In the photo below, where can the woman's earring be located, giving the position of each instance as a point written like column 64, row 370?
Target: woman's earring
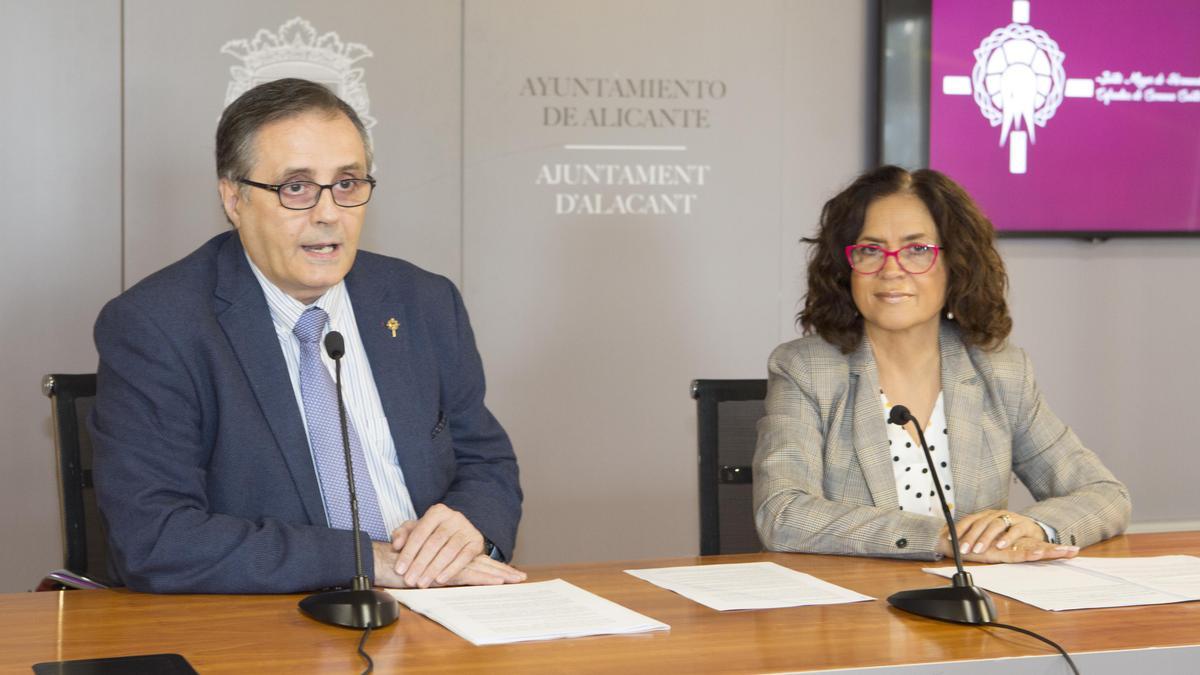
column 950, row 315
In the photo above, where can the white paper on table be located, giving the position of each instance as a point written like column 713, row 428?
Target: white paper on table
column 544, row 610
column 759, row 585
column 1088, row 583
column 1170, row 574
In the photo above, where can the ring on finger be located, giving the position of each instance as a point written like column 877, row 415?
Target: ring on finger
column 1008, row 523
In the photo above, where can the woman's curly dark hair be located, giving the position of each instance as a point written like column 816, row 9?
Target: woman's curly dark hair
column 976, row 284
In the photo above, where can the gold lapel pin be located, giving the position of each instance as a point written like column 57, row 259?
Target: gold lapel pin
column 392, row 324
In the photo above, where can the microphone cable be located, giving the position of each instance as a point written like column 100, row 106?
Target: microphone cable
column 371, row 664
column 1034, row 635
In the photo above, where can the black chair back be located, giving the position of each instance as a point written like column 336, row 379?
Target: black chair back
column 727, row 413
column 85, row 539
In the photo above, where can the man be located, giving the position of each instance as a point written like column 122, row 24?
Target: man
column 218, row 450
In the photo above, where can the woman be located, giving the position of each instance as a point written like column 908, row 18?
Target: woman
column 906, row 305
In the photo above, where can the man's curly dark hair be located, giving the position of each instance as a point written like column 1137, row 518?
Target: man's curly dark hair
column 977, row 282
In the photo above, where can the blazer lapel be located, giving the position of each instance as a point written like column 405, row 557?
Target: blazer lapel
column 962, row 394
column 870, row 432
column 379, row 310
column 248, row 327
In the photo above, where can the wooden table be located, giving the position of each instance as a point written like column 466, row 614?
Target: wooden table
column 268, row 634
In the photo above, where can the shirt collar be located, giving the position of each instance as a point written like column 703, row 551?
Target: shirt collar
column 286, row 310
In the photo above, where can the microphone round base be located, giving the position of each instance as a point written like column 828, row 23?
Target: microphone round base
column 352, row 609
column 960, row 604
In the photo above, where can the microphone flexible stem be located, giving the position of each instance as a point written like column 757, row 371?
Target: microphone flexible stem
column 937, row 484
column 359, row 577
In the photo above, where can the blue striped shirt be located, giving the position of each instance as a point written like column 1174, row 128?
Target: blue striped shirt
column 363, row 406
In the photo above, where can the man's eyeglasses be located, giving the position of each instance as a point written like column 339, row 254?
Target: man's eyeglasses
column 913, row 258
column 299, row 195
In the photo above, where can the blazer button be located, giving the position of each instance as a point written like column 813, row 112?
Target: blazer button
column 901, row 542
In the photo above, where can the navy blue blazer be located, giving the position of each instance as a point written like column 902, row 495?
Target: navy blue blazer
column 202, row 466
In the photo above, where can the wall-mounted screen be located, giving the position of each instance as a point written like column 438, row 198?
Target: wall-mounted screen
column 1062, row 117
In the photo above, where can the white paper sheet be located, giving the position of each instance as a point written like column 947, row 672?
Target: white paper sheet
column 761, row 585
column 544, row 610
column 1086, row 583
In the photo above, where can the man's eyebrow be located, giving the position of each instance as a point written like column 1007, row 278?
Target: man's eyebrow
column 307, row 173
column 293, row 172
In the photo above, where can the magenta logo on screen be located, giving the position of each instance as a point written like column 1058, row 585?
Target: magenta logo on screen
column 1070, row 115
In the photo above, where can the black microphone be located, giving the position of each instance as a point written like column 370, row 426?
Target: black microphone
column 361, row 606
column 335, row 346
column 963, row 602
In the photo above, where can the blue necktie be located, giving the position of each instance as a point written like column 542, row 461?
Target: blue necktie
column 325, row 435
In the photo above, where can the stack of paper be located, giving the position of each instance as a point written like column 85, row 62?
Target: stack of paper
column 546, row 610
column 760, row 585
column 1083, row 583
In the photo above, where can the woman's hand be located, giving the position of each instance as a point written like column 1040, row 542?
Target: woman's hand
column 1002, row 536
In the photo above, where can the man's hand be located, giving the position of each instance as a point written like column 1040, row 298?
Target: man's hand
column 480, row 571
column 1002, row 536
column 436, row 549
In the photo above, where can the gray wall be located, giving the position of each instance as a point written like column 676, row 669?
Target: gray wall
column 1112, row 329
column 591, row 327
column 60, row 142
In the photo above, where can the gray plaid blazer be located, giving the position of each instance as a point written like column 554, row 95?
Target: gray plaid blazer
column 823, row 479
